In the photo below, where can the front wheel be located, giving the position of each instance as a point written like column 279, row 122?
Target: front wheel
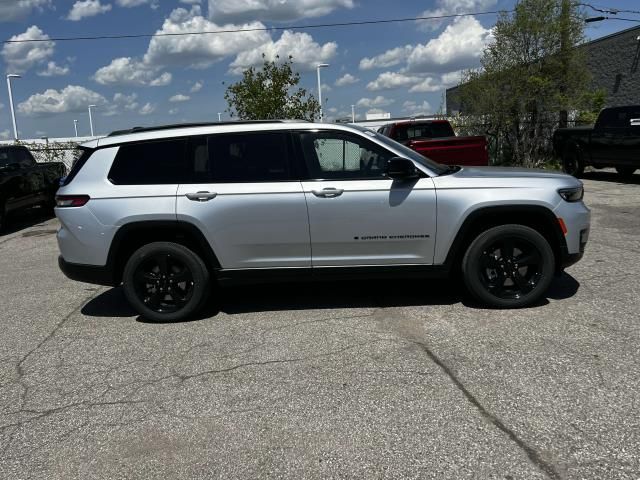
column 510, row 266
column 572, row 162
column 625, row 171
column 166, row 282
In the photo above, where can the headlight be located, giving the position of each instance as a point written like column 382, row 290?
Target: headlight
column 574, row 194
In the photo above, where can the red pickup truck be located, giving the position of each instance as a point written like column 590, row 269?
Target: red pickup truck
column 436, row 140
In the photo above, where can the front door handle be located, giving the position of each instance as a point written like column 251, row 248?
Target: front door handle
column 328, row 192
column 201, row 196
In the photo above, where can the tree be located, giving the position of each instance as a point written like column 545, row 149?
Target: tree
column 271, row 93
column 531, row 72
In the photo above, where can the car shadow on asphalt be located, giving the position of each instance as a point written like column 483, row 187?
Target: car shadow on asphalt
column 318, row 296
column 26, row 219
column 612, row 177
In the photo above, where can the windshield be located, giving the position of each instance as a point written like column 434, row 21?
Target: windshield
column 406, row 152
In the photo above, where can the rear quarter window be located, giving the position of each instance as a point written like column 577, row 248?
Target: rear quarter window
column 151, row 163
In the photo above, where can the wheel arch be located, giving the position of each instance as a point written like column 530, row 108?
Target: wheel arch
column 132, row 236
column 540, row 218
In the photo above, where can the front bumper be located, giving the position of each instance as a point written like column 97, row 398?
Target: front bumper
column 94, row 274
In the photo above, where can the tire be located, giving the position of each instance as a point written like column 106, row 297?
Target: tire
column 166, row 282
column 625, row 171
column 510, row 266
column 3, row 217
column 572, row 162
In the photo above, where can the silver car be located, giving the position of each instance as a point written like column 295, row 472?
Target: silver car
column 174, row 212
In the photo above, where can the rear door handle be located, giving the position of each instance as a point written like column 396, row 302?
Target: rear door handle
column 328, row 192
column 201, row 196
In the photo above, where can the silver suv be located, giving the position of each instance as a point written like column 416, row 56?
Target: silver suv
column 174, row 212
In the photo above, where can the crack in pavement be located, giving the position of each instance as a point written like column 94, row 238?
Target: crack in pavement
column 546, row 467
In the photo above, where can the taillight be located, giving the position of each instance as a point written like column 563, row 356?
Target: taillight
column 71, row 200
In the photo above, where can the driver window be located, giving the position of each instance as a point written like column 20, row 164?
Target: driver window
column 341, row 156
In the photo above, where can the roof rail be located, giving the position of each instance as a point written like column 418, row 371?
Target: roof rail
column 194, row 125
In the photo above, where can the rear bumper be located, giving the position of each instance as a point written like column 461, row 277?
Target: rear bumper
column 94, row 274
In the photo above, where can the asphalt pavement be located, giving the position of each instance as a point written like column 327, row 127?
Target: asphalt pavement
column 347, row 380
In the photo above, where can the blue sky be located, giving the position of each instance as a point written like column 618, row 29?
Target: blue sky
column 397, row 68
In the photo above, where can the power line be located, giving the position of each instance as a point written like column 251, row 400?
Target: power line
column 261, row 29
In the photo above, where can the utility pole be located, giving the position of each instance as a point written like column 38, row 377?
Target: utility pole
column 565, row 40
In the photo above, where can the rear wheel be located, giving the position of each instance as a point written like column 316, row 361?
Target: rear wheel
column 572, row 162
column 166, row 282
column 509, row 266
column 626, row 171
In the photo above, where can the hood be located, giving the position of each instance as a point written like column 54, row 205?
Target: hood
column 508, row 172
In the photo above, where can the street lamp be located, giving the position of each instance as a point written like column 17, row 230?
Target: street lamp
column 91, row 118
column 318, row 67
column 353, row 114
column 75, row 127
column 13, row 112
column 219, row 117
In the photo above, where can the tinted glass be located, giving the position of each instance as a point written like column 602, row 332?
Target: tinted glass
column 424, row 130
column 5, row 158
column 336, row 155
column 23, row 157
column 249, row 157
column 153, row 163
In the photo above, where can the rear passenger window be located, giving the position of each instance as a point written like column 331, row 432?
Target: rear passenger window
column 152, row 163
column 249, row 157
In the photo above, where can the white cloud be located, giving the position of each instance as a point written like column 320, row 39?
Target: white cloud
column 378, row 101
column 4, row 134
column 391, row 80
column 21, row 57
column 180, row 98
column 72, row 98
column 54, row 70
column 346, row 79
column 131, row 3
column 273, row 10
column 127, row 101
column 326, row 88
column 11, row 10
column 197, row 86
column 413, row 108
column 1, row 105
column 174, row 111
column 305, row 51
column 392, row 57
column 429, row 84
column 459, row 46
column 449, row 7
column 200, row 51
column 147, row 109
column 129, row 71
column 87, row 8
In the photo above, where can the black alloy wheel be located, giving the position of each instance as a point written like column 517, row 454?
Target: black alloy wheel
column 508, row 266
column 572, row 162
column 166, row 282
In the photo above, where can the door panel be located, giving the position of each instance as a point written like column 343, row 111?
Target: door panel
column 251, row 225
column 373, row 222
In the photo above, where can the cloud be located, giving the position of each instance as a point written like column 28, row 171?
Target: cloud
column 21, row 57
column 132, row 3
column 128, row 71
column 197, row 86
column 180, row 98
column 378, row 101
column 1, row 105
column 53, row 70
column 391, row 80
column 4, row 134
column 273, row 10
column 459, row 46
column 413, row 108
column 72, row 98
column 346, row 79
column 392, row 57
column 305, row 51
column 120, row 101
column 147, row 109
column 87, row 8
column 173, row 111
column 450, row 7
column 11, row 10
column 200, row 51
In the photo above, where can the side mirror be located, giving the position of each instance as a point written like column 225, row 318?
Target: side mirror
column 399, row 168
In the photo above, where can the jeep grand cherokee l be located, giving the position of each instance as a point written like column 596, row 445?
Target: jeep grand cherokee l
column 173, row 213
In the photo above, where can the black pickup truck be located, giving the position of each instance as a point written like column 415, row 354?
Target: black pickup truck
column 614, row 141
column 25, row 183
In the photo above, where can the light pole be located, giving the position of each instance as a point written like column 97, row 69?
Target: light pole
column 219, row 117
column 91, row 118
column 75, row 127
column 13, row 112
column 318, row 67
column 353, row 113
